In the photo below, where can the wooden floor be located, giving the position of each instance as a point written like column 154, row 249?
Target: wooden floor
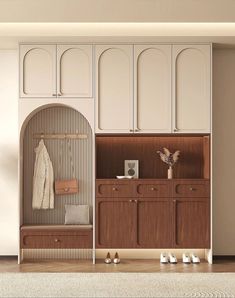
column 10, row 265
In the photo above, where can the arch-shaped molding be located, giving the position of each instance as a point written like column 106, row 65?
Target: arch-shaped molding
column 70, row 120
column 38, row 75
column 74, row 78
column 114, row 87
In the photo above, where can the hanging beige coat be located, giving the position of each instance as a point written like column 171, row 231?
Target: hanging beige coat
column 43, row 192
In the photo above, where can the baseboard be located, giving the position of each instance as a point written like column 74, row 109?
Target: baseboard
column 224, row 257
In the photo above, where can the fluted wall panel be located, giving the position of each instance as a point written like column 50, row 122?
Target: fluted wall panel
column 58, row 120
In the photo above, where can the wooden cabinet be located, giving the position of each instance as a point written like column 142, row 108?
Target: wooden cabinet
column 116, row 223
column 114, row 88
column 154, row 223
column 37, row 70
column 57, row 236
column 191, row 223
column 153, row 214
column 56, row 71
column 191, row 88
column 152, row 85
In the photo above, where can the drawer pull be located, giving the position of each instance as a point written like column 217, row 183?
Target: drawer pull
column 57, row 240
column 192, row 189
column 114, row 188
column 153, row 188
column 136, row 201
column 66, row 189
column 130, row 201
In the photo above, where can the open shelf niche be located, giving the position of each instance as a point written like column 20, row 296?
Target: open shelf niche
column 113, row 150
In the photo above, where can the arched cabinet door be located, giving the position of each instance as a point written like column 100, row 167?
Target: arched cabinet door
column 152, row 97
column 37, row 70
column 74, row 70
column 114, row 88
column 191, row 88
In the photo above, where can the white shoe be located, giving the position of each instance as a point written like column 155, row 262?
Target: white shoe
column 173, row 259
column 186, row 258
column 164, row 258
column 195, row 259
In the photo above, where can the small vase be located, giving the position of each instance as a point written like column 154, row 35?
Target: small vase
column 170, row 173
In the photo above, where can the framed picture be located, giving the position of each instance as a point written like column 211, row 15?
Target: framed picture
column 131, row 168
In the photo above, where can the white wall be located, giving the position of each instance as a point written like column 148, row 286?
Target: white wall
column 117, row 10
column 8, row 152
column 224, row 149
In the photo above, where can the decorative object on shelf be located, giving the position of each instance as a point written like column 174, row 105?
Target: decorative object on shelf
column 170, row 159
column 132, row 168
column 116, row 259
column 124, row 177
column 108, row 259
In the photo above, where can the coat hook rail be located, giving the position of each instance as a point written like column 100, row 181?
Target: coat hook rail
column 55, row 136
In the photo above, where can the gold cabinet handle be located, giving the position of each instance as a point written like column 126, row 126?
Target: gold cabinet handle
column 153, row 188
column 57, row 240
column 130, row 201
column 192, row 189
column 114, row 188
column 136, row 201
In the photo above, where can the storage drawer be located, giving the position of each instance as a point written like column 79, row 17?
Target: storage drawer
column 114, row 189
column 191, row 188
column 152, row 189
column 37, row 239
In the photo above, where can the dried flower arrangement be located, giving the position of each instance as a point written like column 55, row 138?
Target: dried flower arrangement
column 169, row 158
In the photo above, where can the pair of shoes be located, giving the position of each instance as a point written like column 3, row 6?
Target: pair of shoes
column 187, row 259
column 108, row 259
column 165, row 259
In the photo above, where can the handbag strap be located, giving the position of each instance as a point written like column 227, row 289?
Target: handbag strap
column 71, row 158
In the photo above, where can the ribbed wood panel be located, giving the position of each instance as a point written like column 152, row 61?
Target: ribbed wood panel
column 58, row 120
column 83, row 254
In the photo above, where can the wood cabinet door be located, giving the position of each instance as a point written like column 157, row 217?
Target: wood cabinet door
column 191, row 88
column 74, row 70
column 38, row 71
column 191, row 223
column 154, row 223
column 152, row 87
column 116, row 223
column 114, row 88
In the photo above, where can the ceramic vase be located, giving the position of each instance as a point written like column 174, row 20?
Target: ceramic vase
column 170, row 173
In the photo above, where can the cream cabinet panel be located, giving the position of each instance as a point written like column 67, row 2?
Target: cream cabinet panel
column 114, row 88
column 74, row 70
column 191, row 88
column 152, row 88
column 37, row 70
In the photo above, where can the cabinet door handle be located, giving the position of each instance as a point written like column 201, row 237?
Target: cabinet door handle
column 175, row 222
column 130, row 201
column 153, row 188
column 57, row 240
column 136, row 201
column 192, row 189
column 114, row 188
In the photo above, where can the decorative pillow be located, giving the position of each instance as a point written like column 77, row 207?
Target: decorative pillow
column 77, row 215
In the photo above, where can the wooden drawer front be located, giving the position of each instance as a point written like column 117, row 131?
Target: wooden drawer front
column 83, row 240
column 191, row 189
column 151, row 190
column 114, row 190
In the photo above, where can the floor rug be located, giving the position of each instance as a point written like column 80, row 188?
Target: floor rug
column 117, row 285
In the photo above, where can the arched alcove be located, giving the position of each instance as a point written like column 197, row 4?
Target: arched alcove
column 49, row 120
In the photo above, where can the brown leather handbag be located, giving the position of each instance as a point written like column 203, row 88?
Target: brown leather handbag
column 65, row 187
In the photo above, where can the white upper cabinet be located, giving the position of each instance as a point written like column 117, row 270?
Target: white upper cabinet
column 56, row 70
column 74, row 70
column 37, row 70
column 152, row 85
column 191, row 88
column 114, row 88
